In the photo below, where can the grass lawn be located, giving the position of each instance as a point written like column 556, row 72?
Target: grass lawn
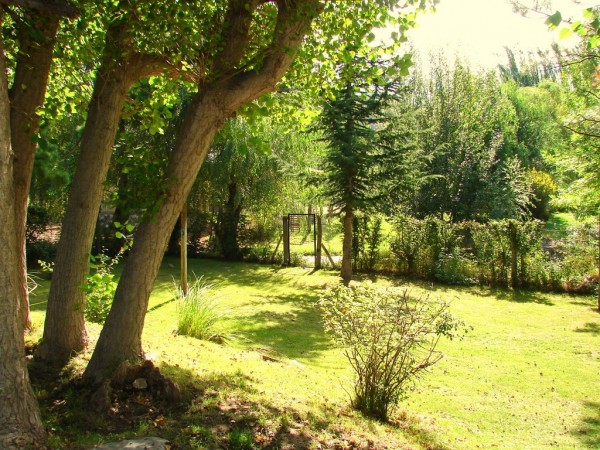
column 526, row 377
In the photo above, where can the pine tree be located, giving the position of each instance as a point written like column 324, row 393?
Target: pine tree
column 365, row 154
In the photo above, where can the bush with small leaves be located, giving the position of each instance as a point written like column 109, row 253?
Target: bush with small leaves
column 99, row 288
column 389, row 338
column 101, row 284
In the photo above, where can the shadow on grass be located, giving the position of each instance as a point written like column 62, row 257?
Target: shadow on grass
column 590, row 327
column 293, row 334
column 589, row 430
column 220, row 412
column 160, row 305
column 516, row 296
column 224, row 273
column 520, row 296
column 589, row 304
column 220, row 408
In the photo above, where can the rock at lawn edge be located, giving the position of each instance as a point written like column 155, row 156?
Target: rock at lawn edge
column 149, row 443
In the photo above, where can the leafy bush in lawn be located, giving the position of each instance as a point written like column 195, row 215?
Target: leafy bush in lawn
column 101, row 285
column 197, row 312
column 99, row 288
column 389, row 338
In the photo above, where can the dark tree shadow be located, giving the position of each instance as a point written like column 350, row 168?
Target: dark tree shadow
column 589, row 430
column 293, row 334
column 518, row 296
column 160, row 305
column 590, row 327
column 218, row 405
column 501, row 294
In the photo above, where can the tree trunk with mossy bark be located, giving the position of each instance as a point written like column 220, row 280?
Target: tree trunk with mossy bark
column 64, row 328
column 217, row 99
column 36, row 34
column 20, row 423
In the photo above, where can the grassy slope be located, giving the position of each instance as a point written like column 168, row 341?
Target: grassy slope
column 526, row 377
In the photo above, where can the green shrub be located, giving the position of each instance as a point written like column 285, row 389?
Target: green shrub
column 389, row 339
column 455, row 268
column 101, row 284
column 99, row 288
column 572, row 266
column 260, row 254
column 409, row 246
column 197, row 312
column 366, row 241
column 419, row 245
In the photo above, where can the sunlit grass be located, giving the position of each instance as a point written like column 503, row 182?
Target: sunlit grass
column 526, row 377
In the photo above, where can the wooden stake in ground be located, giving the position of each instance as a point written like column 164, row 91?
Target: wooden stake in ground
column 183, row 251
column 318, row 254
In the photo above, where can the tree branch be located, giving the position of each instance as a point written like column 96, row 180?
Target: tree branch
column 56, row 7
column 151, row 65
column 294, row 19
column 581, row 133
column 236, row 35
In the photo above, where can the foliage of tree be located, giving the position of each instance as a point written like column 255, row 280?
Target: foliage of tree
column 247, row 177
column 584, row 120
column 528, row 72
column 470, row 125
column 578, row 164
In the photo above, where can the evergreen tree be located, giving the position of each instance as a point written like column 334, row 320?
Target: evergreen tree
column 363, row 148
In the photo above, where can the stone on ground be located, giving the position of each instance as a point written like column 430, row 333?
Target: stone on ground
column 148, row 443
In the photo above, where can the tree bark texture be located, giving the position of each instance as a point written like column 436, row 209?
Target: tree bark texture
column 59, row 8
column 64, row 328
column 20, row 423
column 36, row 37
column 346, row 272
column 120, row 339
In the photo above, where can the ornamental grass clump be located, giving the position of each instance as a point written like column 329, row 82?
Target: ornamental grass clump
column 197, row 312
column 389, row 338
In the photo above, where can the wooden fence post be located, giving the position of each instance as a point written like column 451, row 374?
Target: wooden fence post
column 286, row 242
column 319, row 242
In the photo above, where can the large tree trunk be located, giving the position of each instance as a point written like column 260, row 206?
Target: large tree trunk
column 64, row 328
column 346, row 272
column 120, row 339
column 20, row 423
column 36, row 37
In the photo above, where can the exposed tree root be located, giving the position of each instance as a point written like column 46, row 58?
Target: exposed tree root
column 144, row 382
